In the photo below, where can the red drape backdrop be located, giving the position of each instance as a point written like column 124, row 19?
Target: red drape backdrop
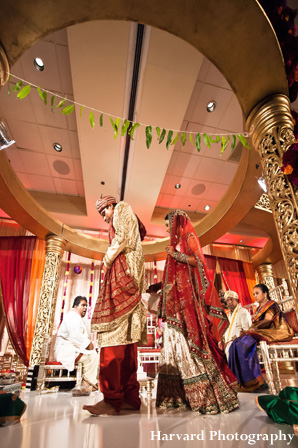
column 234, row 278
column 15, row 270
column 211, row 266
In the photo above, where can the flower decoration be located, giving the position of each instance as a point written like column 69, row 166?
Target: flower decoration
column 283, row 21
column 77, row 269
column 290, row 164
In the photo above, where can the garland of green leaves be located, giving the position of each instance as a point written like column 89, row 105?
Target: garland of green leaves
column 127, row 126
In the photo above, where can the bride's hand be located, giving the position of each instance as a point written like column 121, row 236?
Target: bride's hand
column 170, row 250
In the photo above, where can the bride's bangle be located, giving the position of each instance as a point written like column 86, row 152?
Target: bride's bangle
column 181, row 257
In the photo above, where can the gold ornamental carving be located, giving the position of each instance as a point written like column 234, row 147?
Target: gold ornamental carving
column 264, row 203
column 265, row 275
column 48, row 295
column 272, row 127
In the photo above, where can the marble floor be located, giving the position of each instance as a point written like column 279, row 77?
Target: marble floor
column 57, row 420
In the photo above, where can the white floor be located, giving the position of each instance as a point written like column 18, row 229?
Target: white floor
column 57, row 421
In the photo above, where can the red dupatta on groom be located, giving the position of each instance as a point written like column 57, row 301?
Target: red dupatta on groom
column 189, row 300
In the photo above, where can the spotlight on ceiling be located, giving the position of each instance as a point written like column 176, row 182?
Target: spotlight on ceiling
column 5, row 140
column 57, row 147
column 207, row 207
column 38, row 64
column 177, row 186
column 262, row 183
column 211, row 106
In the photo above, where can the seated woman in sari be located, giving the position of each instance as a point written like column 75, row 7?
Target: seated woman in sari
column 269, row 325
column 193, row 371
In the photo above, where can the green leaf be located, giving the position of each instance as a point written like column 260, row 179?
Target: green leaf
column 91, row 119
column 52, row 103
column 68, row 109
column 8, row 85
column 198, row 142
column 43, row 95
column 206, row 140
column 132, row 129
column 125, row 126
column 183, row 139
column 158, row 132
column 169, row 139
column 224, row 143
column 191, row 139
column 162, row 136
column 18, row 86
column 101, row 120
column 148, row 136
column 61, row 103
column 81, row 110
column 115, row 125
column 217, row 139
column 233, row 142
column 175, row 139
column 24, row 92
column 243, row 141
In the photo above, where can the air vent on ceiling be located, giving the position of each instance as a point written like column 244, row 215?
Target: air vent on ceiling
column 198, row 189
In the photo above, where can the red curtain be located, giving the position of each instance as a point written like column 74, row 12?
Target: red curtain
column 234, row 278
column 15, row 271
column 211, row 266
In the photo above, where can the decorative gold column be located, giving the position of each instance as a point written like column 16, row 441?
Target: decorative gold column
column 48, row 295
column 271, row 125
column 265, row 276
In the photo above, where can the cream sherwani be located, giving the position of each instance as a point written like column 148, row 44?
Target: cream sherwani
column 239, row 319
column 131, row 327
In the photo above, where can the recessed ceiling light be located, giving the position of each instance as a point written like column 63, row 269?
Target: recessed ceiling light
column 241, row 241
column 207, row 207
column 57, row 147
column 38, row 64
column 177, row 186
column 211, row 106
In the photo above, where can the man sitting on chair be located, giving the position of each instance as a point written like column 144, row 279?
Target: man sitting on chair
column 239, row 319
column 73, row 344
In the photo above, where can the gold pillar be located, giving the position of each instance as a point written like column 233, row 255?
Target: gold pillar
column 265, row 276
column 48, row 295
column 272, row 126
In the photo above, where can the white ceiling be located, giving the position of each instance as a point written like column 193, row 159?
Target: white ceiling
column 92, row 64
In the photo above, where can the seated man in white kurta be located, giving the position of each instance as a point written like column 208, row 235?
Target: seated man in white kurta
column 73, row 344
column 239, row 319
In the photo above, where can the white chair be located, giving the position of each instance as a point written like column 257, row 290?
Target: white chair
column 54, row 371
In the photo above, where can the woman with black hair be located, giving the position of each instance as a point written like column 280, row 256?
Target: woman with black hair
column 269, row 325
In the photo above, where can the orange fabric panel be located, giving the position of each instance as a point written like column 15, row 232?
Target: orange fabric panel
column 250, row 278
column 37, row 268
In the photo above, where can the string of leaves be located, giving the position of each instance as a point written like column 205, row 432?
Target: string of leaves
column 130, row 127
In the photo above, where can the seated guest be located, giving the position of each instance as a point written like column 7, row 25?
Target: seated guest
column 269, row 325
column 73, row 344
column 239, row 319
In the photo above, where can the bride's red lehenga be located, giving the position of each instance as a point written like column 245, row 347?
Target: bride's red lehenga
column 193, row 370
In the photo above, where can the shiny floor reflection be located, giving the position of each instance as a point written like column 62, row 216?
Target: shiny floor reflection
column 58, row 421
